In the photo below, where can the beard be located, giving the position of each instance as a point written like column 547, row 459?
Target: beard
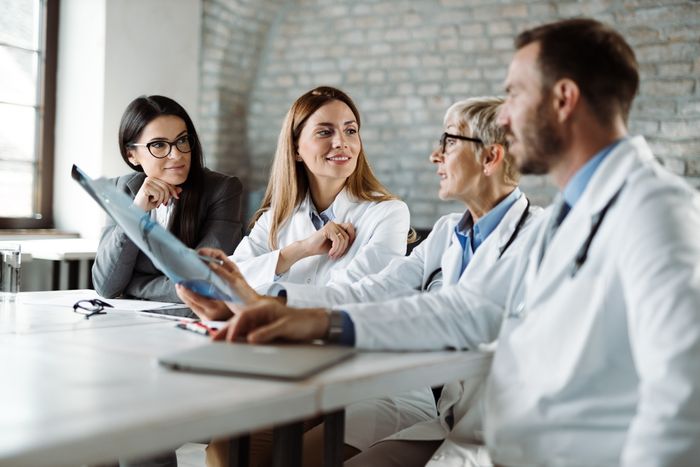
column 541, row 140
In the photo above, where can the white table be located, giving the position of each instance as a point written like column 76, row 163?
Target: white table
column 80, row 391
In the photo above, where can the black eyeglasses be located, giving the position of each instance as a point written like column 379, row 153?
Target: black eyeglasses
column 92, row 307
column 161, row 149
column 447, row 136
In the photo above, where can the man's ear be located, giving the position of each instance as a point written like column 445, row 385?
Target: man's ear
column 491, row 157
column 565, row 98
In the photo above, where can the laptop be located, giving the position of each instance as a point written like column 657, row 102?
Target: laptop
column 279, row 361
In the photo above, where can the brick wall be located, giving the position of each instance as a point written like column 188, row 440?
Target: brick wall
column 405, row 62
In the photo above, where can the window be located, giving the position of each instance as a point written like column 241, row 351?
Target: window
column 28, row 49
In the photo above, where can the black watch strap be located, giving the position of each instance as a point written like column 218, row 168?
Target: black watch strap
column 335, row 326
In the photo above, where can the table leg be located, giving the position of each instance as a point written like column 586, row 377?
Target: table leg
column 286, row 445
column 333, row 438
column 73, row 274
column 239, row 451
column 56, row 276
column 90, row 263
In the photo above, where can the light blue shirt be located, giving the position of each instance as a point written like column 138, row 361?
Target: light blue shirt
column 471, row 236
column 319, row 220
column 578, row 183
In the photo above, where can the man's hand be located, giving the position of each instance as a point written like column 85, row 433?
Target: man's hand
column 268, row 319
column 231, row 274
column 155, row 192
column 205, row 308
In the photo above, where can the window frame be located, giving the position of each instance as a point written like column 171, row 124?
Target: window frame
column 44, row 141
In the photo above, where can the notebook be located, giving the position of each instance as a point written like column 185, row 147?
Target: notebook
column 280, row 361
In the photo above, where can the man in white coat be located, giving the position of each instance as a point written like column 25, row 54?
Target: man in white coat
column 598, row 360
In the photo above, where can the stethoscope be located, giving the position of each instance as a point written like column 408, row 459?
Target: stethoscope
column 596, row 220
column 433, row 278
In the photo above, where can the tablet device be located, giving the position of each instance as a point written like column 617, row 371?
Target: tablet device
column 175, row 313
column 279, row 361
column 180, row 263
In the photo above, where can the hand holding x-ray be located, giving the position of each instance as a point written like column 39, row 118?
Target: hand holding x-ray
column 180, row 263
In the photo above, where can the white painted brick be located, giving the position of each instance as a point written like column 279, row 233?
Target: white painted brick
column 680, row 129
column 405, row 62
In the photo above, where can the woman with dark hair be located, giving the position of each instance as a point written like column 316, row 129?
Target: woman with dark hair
column 157, row 139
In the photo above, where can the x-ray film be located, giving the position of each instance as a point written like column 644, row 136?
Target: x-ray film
column 180, row 263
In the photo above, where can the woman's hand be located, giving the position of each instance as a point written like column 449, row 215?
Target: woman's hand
column 229, row 272
column 155, row 192
column 333, row 239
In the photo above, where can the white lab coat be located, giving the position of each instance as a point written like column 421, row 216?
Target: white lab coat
column 410, row 275
column 381, row 232
column 614, row 377
column 407, row 276
column 381, row 229
column 599, row 369
column 460, row 400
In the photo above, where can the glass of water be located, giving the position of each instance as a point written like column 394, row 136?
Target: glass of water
column 10, row 263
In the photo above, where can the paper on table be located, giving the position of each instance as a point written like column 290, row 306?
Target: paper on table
column 69, row 297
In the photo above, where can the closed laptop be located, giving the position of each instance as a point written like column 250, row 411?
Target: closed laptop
column 283, row 361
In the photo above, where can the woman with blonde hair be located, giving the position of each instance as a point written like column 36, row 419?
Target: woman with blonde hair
column 325, row 219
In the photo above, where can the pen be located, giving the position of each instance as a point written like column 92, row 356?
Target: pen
column 209, row 259
column 195, row 326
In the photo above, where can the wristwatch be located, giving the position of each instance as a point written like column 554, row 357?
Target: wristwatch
column 335, row 326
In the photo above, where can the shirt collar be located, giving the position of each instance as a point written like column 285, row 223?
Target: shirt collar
column 322, row 218
column 578, row 183
column 488, row 223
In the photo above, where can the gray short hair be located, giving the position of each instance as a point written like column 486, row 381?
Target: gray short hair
column 479, row 115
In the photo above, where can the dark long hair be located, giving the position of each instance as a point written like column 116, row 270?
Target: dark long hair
column 142, row 111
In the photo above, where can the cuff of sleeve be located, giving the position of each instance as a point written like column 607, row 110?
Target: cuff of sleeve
column 276, row 290
column 342, row 329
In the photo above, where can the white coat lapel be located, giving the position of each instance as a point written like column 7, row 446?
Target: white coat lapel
column 452, row 261
column 342, row 205
column 302, row 219
column 506, row 229
column 573, row 232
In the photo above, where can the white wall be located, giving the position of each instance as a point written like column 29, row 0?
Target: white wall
column 109, row 53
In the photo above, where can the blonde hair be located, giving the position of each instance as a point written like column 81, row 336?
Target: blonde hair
column 479, row 115
column 289, row 182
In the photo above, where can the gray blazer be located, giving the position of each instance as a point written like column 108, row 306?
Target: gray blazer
column 122, row 269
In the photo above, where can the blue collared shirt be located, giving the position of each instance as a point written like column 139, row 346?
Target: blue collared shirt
column 471, row 236
column 481, row 230
column 321, row 219
column 578, row 183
